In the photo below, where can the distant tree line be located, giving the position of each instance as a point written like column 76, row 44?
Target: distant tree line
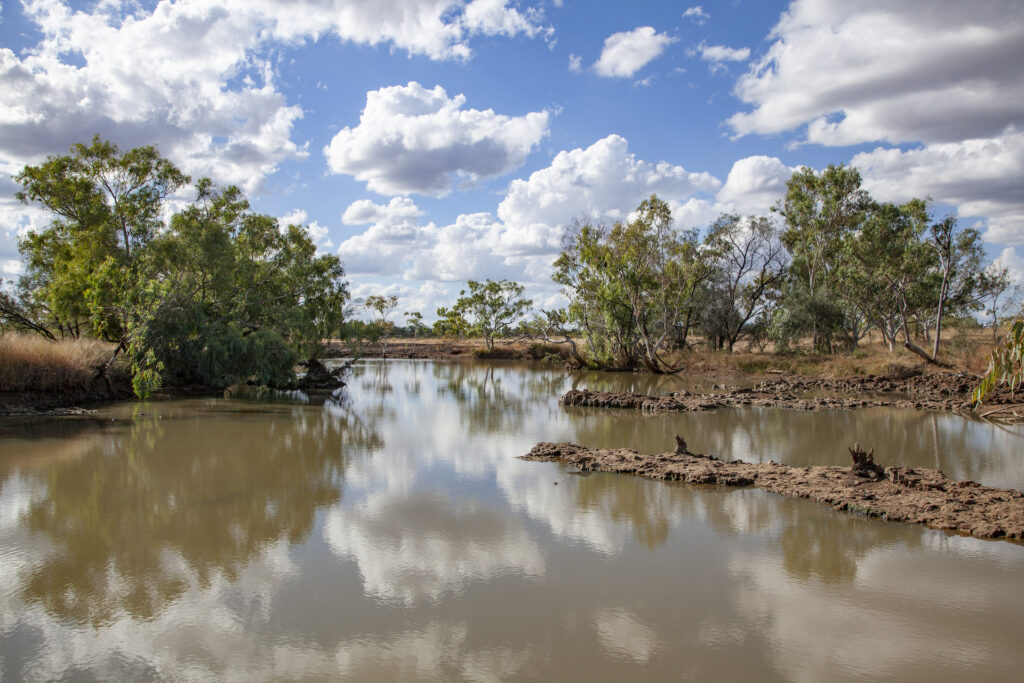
column 827, row 266
column 214, row 293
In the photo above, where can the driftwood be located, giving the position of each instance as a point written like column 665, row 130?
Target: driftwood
column 864, row 463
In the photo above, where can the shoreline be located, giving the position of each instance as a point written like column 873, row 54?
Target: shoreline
column 944, row 391
column 898, row 494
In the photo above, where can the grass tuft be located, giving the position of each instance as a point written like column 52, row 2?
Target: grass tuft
column 31, row 363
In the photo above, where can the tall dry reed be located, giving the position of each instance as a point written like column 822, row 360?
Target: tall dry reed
column 31, row 363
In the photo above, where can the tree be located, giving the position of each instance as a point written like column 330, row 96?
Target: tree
column 884, row 269
column 632, row 287
column 820, row 209
column 993, row 282
column 451, row 322
column 959, row 252
column 381, row 307
column 414, row 319
column 751, row 266
column 554, row 327
column 218, row 295
column 491, row 308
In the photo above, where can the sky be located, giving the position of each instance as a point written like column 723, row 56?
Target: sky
column 429, row 142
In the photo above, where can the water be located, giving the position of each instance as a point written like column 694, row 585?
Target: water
column 395, row 536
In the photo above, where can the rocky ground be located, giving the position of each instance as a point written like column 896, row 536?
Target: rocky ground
column 899, row 494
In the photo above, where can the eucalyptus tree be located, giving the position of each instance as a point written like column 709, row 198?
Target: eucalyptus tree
column 414, row 321
column 381, row 306
column 217, row 295
column 106, row 207
column 993, row 283
column 820, row 209
column 491, row 308
column 884, row 268
column 751, row 266
column 959, row 253
column 631, row 287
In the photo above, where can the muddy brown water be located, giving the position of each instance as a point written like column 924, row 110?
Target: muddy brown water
column 393, row 535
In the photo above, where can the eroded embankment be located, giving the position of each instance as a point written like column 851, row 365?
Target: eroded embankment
column 684, row 401
column 899, row 494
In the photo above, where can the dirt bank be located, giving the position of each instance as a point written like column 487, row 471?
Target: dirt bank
column 687, row 402
column 29, row 403
column 899, row 494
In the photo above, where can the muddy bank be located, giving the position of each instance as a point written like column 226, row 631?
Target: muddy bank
column 29, row 403
column 936, row 385
column 687, row 402
column 449, row 349
column 899, row 494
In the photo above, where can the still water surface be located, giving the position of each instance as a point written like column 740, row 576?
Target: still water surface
column 394, row 536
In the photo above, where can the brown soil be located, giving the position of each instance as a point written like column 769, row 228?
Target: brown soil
column 446, row 349
column 29, row 403
column 433, row 349
column 899, row 494
column 686, row 402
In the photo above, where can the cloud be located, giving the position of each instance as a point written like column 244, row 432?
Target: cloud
column 697, row 15
column 754, row 185
column 627, row 52
column 411, row 563
column 410, row 139
column 197, row 77
column 721, row 53
column 1014, row 264
column 393, row 236
column 575, row 63
column 915, row 71
column 604, row 181
column 981, row 177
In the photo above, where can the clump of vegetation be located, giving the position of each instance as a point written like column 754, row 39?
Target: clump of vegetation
column 32, row 363
column 216, row 295
column 489, row 309
column 1006, row 364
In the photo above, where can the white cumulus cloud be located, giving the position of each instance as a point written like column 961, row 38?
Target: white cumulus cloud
column 981, row 177
column 918, row 70
column 940, row 78
column 411, row 139
column 754, row 185
column 627, row 52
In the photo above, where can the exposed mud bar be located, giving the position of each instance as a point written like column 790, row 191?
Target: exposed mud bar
column 686, row 402
column 898, row 494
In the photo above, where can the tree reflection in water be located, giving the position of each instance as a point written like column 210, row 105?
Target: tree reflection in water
column 208, row 490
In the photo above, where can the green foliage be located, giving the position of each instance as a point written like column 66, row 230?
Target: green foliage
column 490, row 309
column 634, row 289
column 217, row 296
column 821, row 210
column 1006, row 364
column 414, row 322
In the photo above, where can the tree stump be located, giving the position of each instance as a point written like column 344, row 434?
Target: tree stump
column 864, row 463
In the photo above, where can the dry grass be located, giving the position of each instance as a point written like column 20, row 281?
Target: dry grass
column 31, row 363
column 962, row 350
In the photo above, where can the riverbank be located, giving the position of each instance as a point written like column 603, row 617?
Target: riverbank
column 898, row 494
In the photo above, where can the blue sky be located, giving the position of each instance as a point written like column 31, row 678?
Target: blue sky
column 431, row 141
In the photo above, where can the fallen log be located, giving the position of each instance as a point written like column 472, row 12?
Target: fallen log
column 898, row 494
